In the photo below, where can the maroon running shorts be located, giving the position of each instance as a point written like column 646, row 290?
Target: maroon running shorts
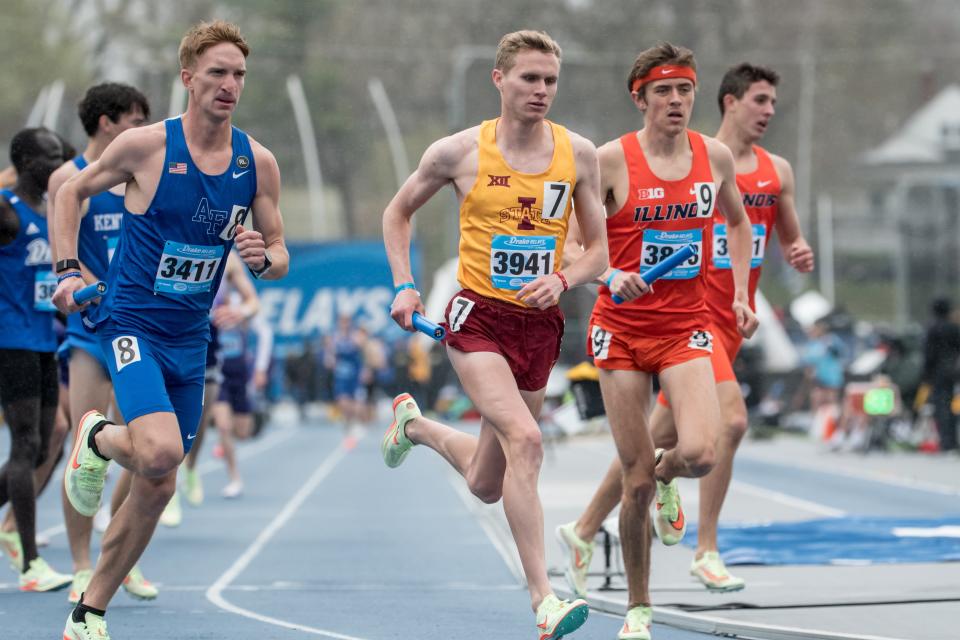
column 529, row 339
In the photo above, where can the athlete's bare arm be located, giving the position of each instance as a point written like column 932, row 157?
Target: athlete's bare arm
column 226, row 316
column 591, row 260
column 792, row 243
column 614, row 185
column 66, row 171
column 446, row 161
column 130, row 159
column 738, row 231
column 251, row 244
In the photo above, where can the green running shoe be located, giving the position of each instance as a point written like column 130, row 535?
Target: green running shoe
column 138, row 587
column 579, row 553
column 669, row 522
column 556, row 618
column 711, row 571
column 396, row 445
column 93, row 627
column 172, row 514
column 85, row 471
column 10, row 543
column 81, row 580
column 636, row 626
column 40, row 577
column 192, row 487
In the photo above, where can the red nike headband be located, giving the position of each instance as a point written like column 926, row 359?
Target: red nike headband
column 666, row 72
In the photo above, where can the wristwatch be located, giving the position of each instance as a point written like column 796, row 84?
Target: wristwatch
column 267, row 263
column 65, row 265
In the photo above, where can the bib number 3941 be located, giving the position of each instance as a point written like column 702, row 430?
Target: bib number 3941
column 187, row 268
column 517, row 260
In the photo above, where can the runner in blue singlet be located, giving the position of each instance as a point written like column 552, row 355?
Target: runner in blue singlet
column 28, row 367
column 105, row 111
column 190, row 183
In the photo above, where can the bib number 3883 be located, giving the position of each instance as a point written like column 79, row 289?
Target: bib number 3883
column 658, row 245
column 187, row 268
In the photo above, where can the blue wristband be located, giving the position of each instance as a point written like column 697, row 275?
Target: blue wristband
column 612, row 276
column 72, row 274
column 405, row 285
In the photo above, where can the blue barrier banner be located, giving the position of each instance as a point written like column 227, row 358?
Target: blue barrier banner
column 841, row 541
column 327, row 280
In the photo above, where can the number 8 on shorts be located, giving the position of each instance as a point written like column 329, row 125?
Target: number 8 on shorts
column 126, row 350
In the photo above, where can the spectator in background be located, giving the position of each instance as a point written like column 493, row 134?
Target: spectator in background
column 904, row 367
column 941, row 354
column 344, row 360
column 373, row 375
column 824, row 358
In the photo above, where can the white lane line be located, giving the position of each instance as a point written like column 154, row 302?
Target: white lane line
column 253, row 449
column 52, row 532
column 866, row 474
column 785, row 499
column 488, row 522
column 215, row 592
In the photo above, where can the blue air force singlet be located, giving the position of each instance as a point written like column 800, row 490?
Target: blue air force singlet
column 98, row 239
column 27, row 283
column 170, row 259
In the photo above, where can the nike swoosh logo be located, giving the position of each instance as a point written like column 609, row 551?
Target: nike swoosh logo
column 237, row 175
column 666, row 71
column 191, row 437
column 678, row 523
column 763, row 183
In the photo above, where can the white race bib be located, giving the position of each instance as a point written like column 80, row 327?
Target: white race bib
column 721, row 252
column 44, row 286
column 187, row 268
column 517, row 260
column 658, row 245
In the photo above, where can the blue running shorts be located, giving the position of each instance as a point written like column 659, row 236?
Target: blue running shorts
column 151, row 375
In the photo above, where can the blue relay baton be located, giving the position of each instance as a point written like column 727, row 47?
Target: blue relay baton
column 90, row 292
column 431, row 329
column 664, row 267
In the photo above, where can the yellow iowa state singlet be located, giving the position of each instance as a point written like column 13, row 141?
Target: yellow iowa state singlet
column 512, row 224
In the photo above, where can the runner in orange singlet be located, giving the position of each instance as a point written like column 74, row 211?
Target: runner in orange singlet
column 517, row 179
column 747, row 97
column 661, row 187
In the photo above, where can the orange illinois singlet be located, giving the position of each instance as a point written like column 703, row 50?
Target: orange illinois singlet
column 658, row 218
column 760, row 190
column 512, row 224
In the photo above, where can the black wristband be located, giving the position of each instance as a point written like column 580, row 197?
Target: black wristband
column 69, row 263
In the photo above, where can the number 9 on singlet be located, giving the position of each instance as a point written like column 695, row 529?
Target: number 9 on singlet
column 187, row 268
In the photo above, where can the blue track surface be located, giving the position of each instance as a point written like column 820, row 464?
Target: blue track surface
column 324, row 543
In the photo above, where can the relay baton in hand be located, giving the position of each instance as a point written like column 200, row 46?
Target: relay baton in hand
column 663, row 267
column 431, row 329
column 90, row 292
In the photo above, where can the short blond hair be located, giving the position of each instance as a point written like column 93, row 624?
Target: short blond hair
column 663, row 53
column 525, row 40
column 204, row 35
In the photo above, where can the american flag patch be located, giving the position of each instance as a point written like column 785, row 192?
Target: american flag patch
column 177, row 167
